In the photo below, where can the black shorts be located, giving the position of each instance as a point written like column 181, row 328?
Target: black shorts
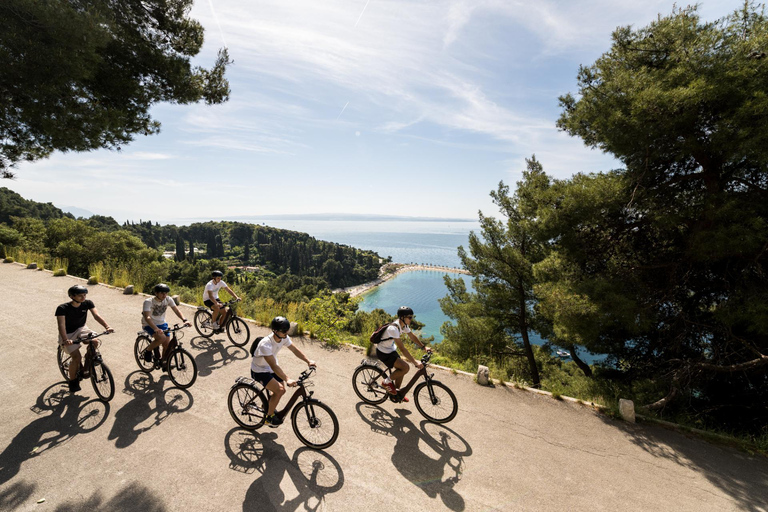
column 265, row 377
column 387, row 359
column 209, row 303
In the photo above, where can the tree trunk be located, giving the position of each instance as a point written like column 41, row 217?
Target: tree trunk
column 584, row 367
column 527, row 342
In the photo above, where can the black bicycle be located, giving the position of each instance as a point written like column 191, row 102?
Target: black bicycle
column 237, row 328
column 434, row 400
column 93, row 367
column 180, row 365
column 314, row 423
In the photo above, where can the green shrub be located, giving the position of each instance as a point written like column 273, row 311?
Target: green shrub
column 60, row 272
column 93, row 280
column 8, row 260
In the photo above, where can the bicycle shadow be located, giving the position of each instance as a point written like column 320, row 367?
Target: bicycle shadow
column 137, row 415
column 214, row 354
column 313, row 473
column 70, row 415
column 422, row 455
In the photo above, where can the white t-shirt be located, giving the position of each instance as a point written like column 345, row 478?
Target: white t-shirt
column 157, row 309
column 393, row 331
column 267, row 347
column 214, row 287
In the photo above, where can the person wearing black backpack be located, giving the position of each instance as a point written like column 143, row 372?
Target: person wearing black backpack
column 386, row 349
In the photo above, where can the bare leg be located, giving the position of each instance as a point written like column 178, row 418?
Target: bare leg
column 401, row 368
column 278, row 390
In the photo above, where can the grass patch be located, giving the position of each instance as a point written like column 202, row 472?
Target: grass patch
column 59, row 272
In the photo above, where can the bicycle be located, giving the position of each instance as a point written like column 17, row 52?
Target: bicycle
column 179, row 363
column 93, row 367
column 314, row 423
column 434, row 400
column 237, row 329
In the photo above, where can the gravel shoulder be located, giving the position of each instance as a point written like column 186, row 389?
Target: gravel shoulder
column 157, row 448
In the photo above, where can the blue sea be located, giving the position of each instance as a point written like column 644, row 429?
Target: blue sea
column 406, row 242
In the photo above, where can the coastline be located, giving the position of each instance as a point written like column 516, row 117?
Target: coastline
column 386, row 273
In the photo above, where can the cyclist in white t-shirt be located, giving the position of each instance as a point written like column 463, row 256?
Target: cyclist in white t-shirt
column 386, row 349
column 211, row 299
column 266, row 370
column 153, row 319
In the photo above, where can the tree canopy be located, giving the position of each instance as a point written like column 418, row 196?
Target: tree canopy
column 79, row 75
column 666, row 257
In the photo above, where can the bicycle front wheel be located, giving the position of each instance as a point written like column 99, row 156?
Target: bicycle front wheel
column 247, row 406
column 103, row 383
column 238, row 332
column 182, row 368
column 64, row 360
column 203, row 323
column 315, row 424
column 435, row 401
column 366, row 381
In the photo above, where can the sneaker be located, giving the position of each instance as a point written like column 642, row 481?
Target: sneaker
column 148, row 356
column 274, row 421
column 74, row 385
column 390, row 387
column 215, row 326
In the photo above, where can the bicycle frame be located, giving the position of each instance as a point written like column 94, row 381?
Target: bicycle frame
column 421, row 372
column 229, row 311
column 300, row 392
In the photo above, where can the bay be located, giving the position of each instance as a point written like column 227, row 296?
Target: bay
column 420, row 242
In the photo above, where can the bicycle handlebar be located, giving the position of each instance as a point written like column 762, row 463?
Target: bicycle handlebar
column 306, row 373
column 176, row 327
column 426, row 357
column 91, row 336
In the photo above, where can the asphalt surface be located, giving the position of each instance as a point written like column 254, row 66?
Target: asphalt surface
column 157, row 448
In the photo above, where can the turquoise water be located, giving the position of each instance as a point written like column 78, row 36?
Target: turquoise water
column 406, row 242
column 419, row 290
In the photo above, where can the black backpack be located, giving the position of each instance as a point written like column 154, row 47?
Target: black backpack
column 376, row 337
column 256, row 344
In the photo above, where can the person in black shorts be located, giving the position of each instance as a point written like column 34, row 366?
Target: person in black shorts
column 264, row 366
column 386, row 349
column 70, row 320
column 211, row 299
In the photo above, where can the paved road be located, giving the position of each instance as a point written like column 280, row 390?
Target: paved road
column 156, row 448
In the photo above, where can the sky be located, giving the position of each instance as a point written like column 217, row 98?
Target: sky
column 400, row 107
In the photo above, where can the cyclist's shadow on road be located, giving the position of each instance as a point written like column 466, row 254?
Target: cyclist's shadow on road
column 70, row 415
column 138, row 415
column 422, row 454
column 216, row 352
column 313, row 473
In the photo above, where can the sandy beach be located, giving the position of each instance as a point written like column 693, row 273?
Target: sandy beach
column 391, row 270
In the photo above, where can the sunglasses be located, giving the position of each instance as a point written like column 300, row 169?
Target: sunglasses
column 410, row 317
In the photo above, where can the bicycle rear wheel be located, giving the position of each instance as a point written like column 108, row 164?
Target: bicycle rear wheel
column 103, row 383
column 64, row 360
column 435, row 401
column 142, row 342
column 315, row 424
column 182, row 368
column 247, row 406
column 203, row 323
column 366, row 381
column 238, row 332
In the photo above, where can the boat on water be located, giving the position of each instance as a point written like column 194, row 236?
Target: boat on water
column 563, row 354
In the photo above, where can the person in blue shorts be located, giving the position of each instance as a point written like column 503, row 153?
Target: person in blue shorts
column 153, row 319
column 265, row 368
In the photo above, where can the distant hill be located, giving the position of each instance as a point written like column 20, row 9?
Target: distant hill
column 344, row 217
column 13, row 205
column 78, row 212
